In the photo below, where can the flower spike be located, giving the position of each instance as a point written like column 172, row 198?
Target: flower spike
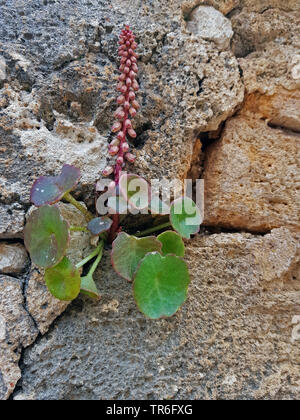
column 127, row 105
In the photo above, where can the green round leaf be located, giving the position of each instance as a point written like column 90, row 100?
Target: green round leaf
column 99, row 225
column 171, row 243
column 160, row 285
column 50, row 189
column 185, row 217
column 128, row 251
column 89, row 288
column 63, row 280
column 46, row 236
column 135, row 190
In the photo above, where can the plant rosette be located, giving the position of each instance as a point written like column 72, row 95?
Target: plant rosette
column 154, row 264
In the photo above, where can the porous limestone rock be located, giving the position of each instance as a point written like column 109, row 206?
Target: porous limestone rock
column 223, row 6
column 13, row 258
column 59, row 93
column 253, row 30
column 2, row 70
column 264, row 5
column 252, row 176
column 233, row 338
column 282, row 109
column 17, row 331
column 207, row 23
column 12, row 218
column 238, row 334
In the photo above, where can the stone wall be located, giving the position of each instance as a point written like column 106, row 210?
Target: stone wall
column 220, row 100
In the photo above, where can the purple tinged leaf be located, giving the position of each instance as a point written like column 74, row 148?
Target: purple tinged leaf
column 99, row 225
column 50, row 189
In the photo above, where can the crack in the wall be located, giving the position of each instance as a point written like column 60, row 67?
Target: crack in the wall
column 281, row 127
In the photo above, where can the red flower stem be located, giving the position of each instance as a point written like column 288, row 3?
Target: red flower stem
column 118, row 168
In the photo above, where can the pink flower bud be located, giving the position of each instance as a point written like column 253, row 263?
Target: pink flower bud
column 120, row 115
column 128, row 124
column 119, row 86
column 133, row 59
column 122, row 77
column 130, row 51
column 125, row 147
column 115, row 142
column 113, row 150
column 124, row 89
column 121, row 68
column 107, row 171
column 121, row 99
column 119, row 109
column 132, row 112
column 135, row 104
column 135, row 85
column 128, row 63
column 131, row 96
column 120, row 160
column 123, row 60
column 116, row 127
column 128, row 82
column 127, row 44
column 130, row 157
column 126, row 69
column 125, row 53
column 121, row 136
column 126, row 105
column 134, row 68
column 132, row 74
column 132, row 133
column 134, row 45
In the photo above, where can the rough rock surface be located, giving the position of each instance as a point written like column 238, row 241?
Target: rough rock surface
column 58, row 94
column 282, row 109
column 252, row 31
column 238, row 334
column 12, row 218
column 17, row 330
column 252, row 177
column 13, row 258
column 207, row 23
column 252, row 173
column 223, row 6
column 231, row 339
